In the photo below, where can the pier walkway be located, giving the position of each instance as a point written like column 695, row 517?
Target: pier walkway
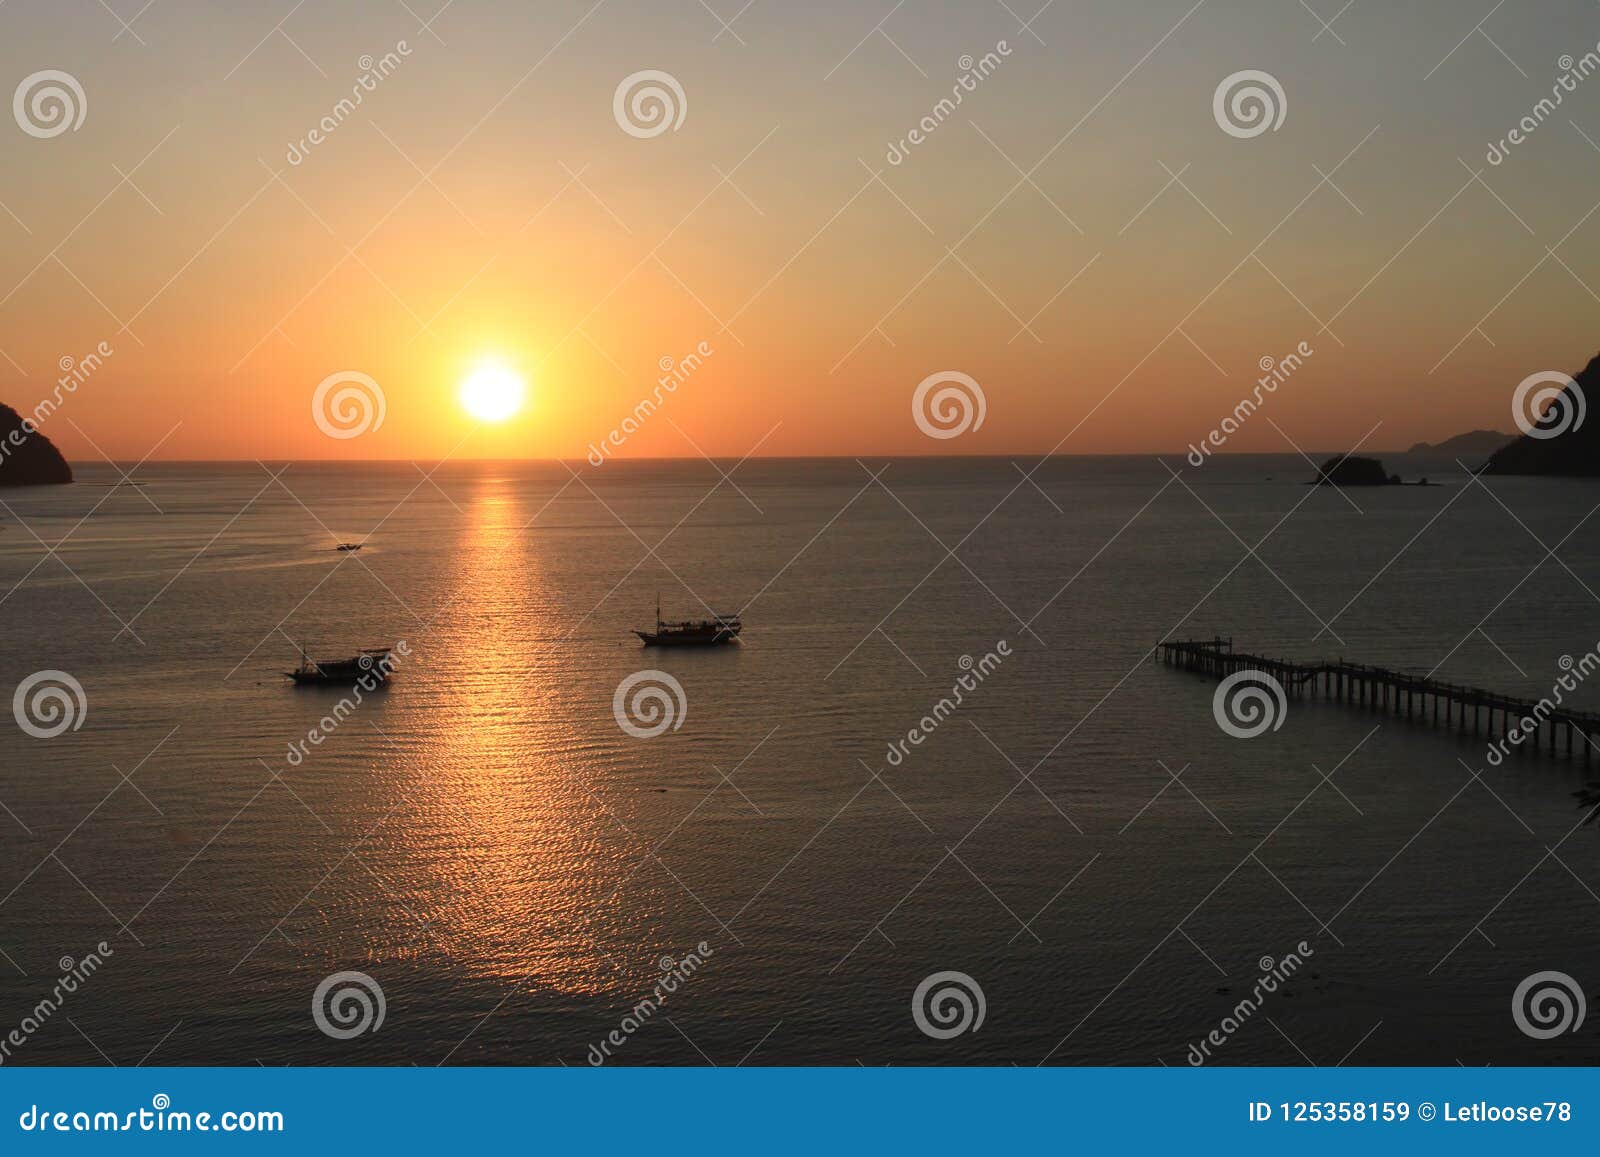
column 1557, row 729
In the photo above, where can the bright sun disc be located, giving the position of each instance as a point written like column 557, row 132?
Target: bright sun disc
column 492, row 393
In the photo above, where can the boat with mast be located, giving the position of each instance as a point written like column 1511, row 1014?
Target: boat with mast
column 370, row 664
column 712, row 632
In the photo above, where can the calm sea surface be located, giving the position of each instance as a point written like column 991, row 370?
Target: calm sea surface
column 510, row 866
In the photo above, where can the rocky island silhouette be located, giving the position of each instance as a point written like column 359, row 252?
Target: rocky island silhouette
column 27, row 457
column 1560, row 441
column 1349, row 470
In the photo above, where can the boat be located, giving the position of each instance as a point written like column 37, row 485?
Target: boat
column 350, row 546
column 372, row 663
column 710, row 632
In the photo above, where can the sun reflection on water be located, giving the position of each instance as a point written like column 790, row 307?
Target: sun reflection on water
column 503, row 826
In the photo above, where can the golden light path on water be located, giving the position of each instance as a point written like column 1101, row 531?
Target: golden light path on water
column 516, row 855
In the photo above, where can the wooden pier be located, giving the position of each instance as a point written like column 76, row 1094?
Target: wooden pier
column 1473, row 709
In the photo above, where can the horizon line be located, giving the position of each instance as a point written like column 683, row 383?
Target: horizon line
column 995, row 455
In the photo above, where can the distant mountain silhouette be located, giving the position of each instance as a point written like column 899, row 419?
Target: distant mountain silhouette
column 1471, row 447
column 28, row 459
column 1575, row 450
column 1346, row 470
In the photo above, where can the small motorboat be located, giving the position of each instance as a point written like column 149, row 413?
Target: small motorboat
column 710, row 632
column 370, row 664
column 349, row 546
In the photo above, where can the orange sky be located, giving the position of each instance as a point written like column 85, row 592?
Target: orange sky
column 483, row 201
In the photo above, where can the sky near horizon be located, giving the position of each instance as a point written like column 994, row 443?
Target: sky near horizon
column 1080, row 235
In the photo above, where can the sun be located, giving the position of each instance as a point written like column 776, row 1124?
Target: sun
column 491, row 393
